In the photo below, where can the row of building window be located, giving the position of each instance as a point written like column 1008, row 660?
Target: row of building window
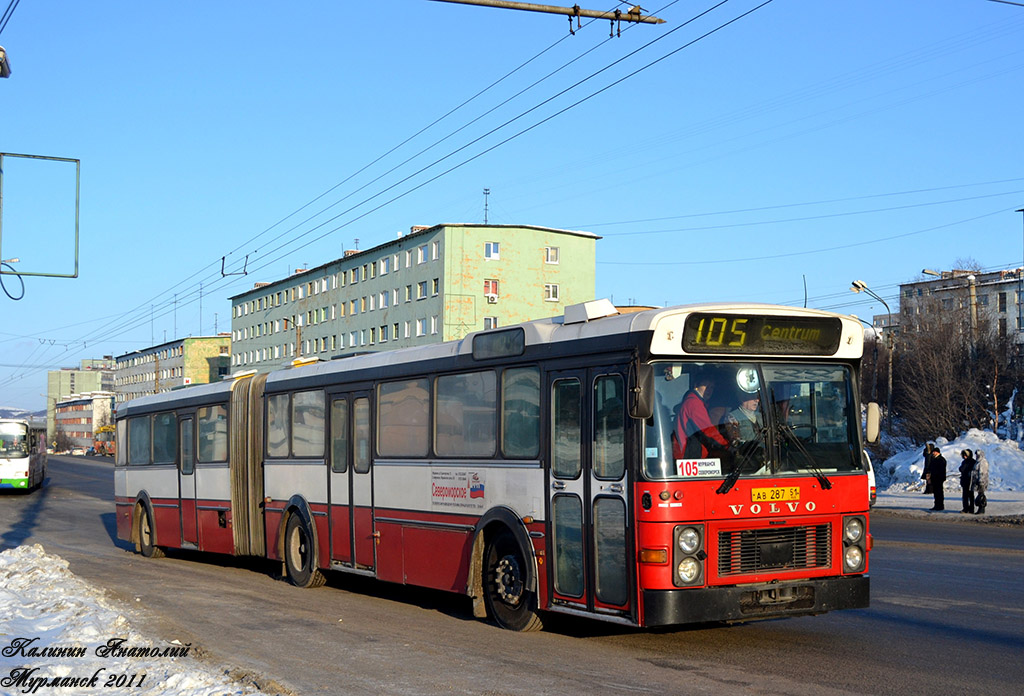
column 165, row 354
column 368, row 271
column 492, row 252
column 165, row 373
column 312, row 317
column 359, row 338
column 73, row 421
column 370, row 303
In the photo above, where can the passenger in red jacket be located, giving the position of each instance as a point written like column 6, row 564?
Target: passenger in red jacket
column 696, row 437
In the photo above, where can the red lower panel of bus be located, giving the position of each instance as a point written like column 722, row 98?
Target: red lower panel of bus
column 427, row 557
column 214, row 521
column 341, row 536
column 189, row 522
column 209, row 521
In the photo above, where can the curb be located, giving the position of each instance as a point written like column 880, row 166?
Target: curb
column 951, row 516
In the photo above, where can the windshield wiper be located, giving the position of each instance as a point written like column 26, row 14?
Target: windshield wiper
column 744, row 454
column 787, row 432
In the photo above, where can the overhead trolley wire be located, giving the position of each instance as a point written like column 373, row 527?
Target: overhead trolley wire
column 499, row 144
column 523, row 131
column 8, row 13
column 142, row 307
column 146, row 312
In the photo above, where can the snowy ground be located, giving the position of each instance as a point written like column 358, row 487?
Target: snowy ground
column 901, row 489
column 54, row 626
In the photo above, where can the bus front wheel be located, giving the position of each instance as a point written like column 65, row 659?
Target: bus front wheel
column 147, row 547
column 300, row 555
column 508, row 601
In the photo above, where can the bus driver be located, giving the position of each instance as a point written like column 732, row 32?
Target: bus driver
column 695, row 437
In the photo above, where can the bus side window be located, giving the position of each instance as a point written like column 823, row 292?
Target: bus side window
column 138, row 441
column 520, row 412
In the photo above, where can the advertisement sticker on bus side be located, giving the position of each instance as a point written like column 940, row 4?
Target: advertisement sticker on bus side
column 461, row 489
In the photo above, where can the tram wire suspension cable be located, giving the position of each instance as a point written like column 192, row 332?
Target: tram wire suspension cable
column 213, row 277
column 138, row 320
column 6, row 17
column 146, row 306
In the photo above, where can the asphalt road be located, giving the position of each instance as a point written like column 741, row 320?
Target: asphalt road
column 947, row 616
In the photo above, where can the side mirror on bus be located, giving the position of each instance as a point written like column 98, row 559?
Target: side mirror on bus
column 874, row 422
column 641, row 391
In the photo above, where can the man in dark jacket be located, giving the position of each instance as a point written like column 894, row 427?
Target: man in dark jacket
column 936, row 474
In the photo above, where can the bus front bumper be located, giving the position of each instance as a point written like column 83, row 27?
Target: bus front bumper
column 758, row 601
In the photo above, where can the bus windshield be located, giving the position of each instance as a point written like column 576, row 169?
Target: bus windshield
column 13, row 440
column 749, row 419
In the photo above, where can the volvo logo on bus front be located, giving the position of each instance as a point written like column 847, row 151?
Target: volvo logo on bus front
column 773, row 508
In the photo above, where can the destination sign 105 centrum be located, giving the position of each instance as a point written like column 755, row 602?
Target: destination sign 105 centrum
column 760, row 334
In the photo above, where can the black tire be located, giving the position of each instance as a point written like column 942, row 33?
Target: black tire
column 300, row 554
column 147, row 547
column 509, row 603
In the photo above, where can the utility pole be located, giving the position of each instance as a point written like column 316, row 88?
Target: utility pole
column 487, row 192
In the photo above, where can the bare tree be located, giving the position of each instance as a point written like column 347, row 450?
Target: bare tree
column 948, row 376
column 926, row 384
column 61, row 442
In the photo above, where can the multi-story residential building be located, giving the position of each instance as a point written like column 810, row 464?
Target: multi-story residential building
column 79, row 416
column 985, row 304
column 193, row 360
column 94, row 375
column 435, row 284
column 886, row 325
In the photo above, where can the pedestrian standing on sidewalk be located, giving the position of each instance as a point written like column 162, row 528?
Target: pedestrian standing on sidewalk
column 924, row 474
column 936, row 473
column 979, row 482
column 967, row 466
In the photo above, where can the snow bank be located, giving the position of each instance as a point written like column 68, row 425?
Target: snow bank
column 902, row 471
column 55, row 626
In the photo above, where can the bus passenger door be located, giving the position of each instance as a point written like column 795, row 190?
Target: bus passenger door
column 187, row 481
column 352, row 528
column 587, row 499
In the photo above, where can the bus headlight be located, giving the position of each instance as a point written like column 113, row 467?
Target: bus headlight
column 688, row 556
column 689, row 541
column 689, row 570
column 855, row 553
column 853, row 530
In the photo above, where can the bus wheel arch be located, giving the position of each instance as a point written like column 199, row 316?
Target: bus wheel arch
column 297, row 545
column 503, row 572
column 144, row 528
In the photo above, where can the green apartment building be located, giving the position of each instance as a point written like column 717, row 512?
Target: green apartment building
column 434, row 284
column 179, row 363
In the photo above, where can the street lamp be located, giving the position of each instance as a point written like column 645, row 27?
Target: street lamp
column 861, row 286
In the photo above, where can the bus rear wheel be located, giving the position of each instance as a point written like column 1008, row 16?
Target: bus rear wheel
column 508, row 601
column 300, row 555
column 146, row 537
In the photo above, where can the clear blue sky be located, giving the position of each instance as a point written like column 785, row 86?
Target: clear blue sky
column 824, row 141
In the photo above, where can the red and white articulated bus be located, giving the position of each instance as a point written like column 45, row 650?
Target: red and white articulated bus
column 690, row 464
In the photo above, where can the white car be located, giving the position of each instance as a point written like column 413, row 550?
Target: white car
column 872, row 493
